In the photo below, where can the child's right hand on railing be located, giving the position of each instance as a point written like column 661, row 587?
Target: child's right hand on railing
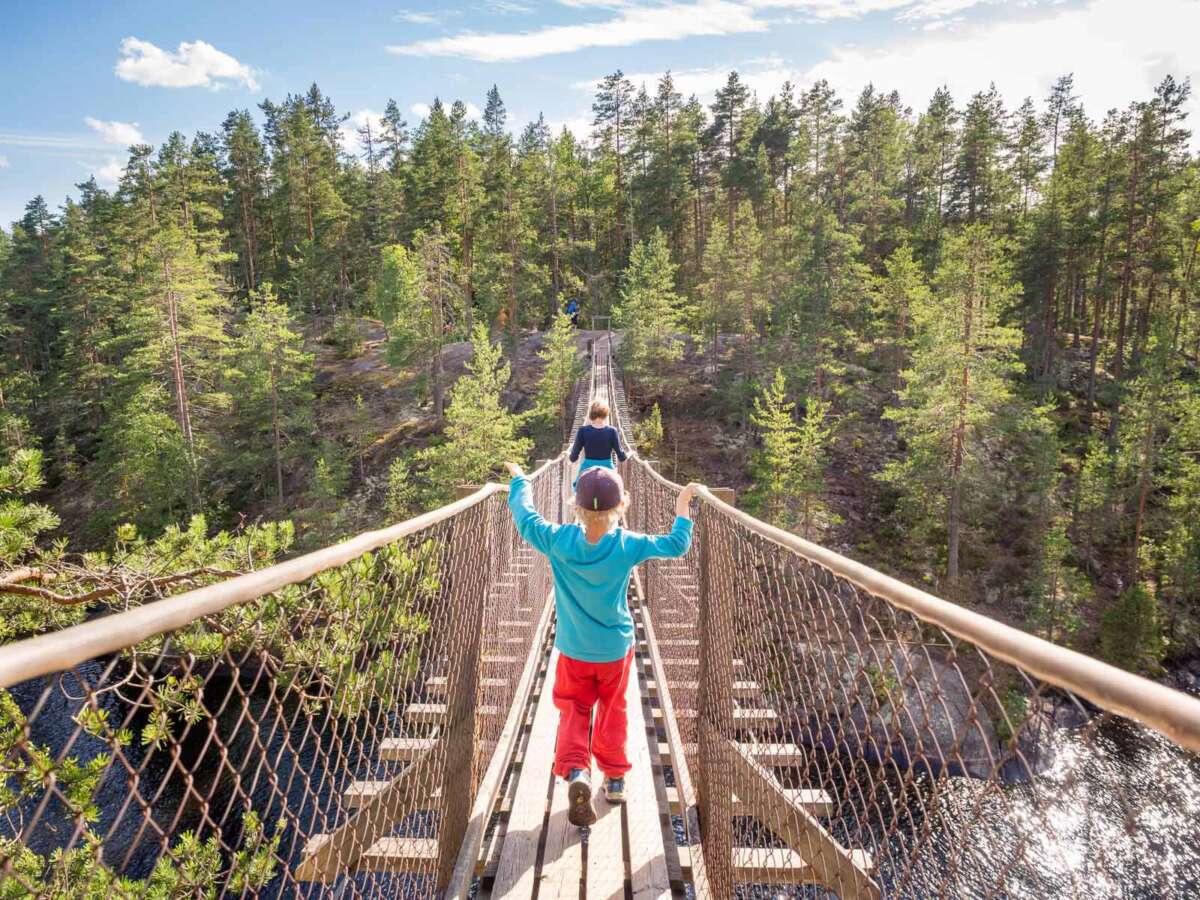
column 683, row 503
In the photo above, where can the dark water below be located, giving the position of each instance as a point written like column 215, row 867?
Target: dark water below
column 1124, row 821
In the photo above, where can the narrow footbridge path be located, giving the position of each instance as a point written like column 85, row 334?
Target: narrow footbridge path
column 375, row 720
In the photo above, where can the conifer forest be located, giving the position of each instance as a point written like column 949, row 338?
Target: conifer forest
column 956, row 340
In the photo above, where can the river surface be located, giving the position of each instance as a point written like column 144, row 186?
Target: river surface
column 1116, row 814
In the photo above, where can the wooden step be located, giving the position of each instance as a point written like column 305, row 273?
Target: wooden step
column 403, row 749
column 435, row 713
column 360, row 792
column 437, row 683
column 513, row 623
column 680, row 642
column 754, row 865
column 490, row 659
column 742, row 718
column 391, row 854
column 676, row 626
column 687, row 662
column 768, row 754
column 743, row 690
column 502, row 642
column 817, row 802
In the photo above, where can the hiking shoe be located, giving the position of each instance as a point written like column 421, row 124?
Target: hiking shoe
column 614, row 790
column 579, row 798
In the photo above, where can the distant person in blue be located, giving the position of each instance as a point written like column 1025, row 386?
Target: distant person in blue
column 597, row 440
column 573, row 311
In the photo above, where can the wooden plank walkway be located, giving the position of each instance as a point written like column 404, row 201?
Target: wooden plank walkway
column 621, row 855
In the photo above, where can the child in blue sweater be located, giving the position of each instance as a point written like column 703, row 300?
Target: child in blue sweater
column 591, row 561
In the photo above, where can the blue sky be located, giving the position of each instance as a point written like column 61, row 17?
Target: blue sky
column 84, row 79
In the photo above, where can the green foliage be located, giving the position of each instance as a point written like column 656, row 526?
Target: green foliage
column 648, row 432
column 345, row 335
column 957, row 385
column 189, row 868
column 1131, row 633
column 1014, row 707
column 271, row 382
column 560, row 355
column 1060, row 590
column 790, row 468
column 651, row 313
column 403, row 494
column 480, row 433
column 398, row 296
column 21, row 522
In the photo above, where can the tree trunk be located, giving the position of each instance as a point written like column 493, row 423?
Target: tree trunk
column 278, row 438
column 181, row 396
column 436, row 359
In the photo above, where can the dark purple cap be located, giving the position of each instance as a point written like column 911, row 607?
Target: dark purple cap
column 599, row 489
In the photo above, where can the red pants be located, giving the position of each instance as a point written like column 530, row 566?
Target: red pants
column 578, row 686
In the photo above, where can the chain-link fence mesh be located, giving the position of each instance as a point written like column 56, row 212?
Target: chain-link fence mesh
column 841, row 744
column 328, row 735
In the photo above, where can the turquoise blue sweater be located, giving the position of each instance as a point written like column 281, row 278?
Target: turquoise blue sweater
column 590, row 580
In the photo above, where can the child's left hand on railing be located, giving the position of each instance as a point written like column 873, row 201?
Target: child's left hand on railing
column 514, row 469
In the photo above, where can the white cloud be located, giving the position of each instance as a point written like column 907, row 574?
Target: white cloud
column 194, row 64
column 110, row 171
column 4, row 163
column 508, row 7
column 351, row 142
column 122, row 133
column 762, row 76
column 1117, row 52
column 418, row 18
column 827, row 10
column 631, row 25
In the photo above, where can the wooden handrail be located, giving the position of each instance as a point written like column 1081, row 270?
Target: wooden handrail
column 1171, row 712
column 1168, row 711
column 68, row 647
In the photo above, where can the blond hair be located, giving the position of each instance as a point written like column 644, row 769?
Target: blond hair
column 598, row 410
column 593, row 518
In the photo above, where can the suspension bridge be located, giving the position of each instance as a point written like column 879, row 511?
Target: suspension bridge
column 375, row 719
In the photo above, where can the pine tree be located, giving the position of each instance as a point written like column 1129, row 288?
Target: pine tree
column 896, row 294
column 651, row 313
column 271, row 382
column 560, row 354
column 611, row 108
column 245, row 173
column 982, row 189
column 791, row 464
column 398, row 298
column 480, row 432
column 956, row 386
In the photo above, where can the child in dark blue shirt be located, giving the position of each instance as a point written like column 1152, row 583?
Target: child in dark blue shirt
column 597, row 440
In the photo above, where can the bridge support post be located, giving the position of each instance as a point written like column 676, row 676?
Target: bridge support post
column 470, row 582
column 715, row 784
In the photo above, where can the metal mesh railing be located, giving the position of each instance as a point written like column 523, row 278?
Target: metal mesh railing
column 847, row 734
column 320, row 725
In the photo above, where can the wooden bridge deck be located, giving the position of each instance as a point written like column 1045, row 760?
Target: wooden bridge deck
column 624, row 854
